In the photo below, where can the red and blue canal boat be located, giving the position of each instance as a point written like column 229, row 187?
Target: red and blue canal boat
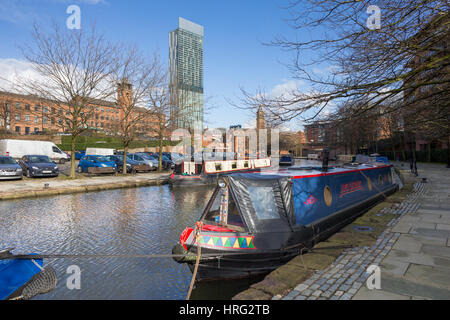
column 256, row 222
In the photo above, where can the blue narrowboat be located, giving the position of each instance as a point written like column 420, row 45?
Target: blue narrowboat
column 256, row 222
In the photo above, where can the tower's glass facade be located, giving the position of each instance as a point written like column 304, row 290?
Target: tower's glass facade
column 186, row 75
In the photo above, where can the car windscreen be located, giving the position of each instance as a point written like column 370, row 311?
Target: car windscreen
column 112, row 158
column 7, row 160
column 149, row 157
column 101, row 159
column 39, row 159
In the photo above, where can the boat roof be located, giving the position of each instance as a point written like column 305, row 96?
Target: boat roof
column 309, row 172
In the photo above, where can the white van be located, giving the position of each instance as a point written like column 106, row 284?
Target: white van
column 19, row 148
column 100, row 151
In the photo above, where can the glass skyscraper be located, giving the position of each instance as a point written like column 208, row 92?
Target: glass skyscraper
column 186, row 75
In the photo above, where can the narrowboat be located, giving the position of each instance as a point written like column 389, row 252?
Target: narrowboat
column 191, row 173
column 256, row 222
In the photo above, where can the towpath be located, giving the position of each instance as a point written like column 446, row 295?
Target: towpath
column 413, row 253
column 53, row 186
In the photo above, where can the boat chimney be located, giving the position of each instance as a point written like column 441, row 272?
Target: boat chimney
column 326, row 155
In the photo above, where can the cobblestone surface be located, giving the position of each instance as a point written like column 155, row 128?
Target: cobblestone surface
column 347, row 274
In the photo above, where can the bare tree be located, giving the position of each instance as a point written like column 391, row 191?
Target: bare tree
column 5, row 114
column 160, row 104
column 134, row 74
column 76, row 67
column 364, row 63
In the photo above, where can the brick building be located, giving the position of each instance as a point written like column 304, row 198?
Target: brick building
column 26, row 114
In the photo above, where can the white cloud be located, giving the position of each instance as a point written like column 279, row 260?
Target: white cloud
column 11, row 70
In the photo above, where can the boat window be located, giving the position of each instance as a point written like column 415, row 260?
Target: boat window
column 214, row 211
column 234, row 218
column 263, row 201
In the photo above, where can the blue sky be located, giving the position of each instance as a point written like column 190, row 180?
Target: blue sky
column 235, row 30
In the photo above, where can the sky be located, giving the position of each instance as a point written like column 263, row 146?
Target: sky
column 235, row 51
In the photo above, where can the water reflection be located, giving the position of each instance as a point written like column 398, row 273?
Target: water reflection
column 128, row 221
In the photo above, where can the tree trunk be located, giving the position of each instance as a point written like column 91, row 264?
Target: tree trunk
column 393, row 149
column 125, row 152
column 160, row 153
column 72, row 157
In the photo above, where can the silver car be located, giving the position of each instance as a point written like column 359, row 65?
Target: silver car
column 9, row 168
column 144, row 159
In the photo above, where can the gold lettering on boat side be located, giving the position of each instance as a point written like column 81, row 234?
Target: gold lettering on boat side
column 369, row 184
column 327, row 195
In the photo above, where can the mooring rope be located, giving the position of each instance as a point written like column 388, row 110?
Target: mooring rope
column 199, row 252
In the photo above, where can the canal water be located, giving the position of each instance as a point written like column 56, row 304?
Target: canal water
column 124, row 221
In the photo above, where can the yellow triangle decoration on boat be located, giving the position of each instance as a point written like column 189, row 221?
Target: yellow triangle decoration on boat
column 210, row 242
column 249, row 240
column 236, row 244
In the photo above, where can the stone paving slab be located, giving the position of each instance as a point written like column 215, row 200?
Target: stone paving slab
column 406, row 287
column 431, row 276
column 394, row 267
column 366, row 294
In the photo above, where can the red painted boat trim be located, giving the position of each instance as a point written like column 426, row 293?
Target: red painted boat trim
column 335, row 173
column 209, row 227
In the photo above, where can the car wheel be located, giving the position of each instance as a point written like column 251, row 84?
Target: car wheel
column 79, row 169
column 62, row 161
column 29, row 175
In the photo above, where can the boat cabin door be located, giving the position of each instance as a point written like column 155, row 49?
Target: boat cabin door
column 188, row 168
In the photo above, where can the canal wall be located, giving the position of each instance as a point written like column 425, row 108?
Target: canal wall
column 282, row 280
column 49, row 187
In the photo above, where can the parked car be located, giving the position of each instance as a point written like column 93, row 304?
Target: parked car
column 9, row 168
column 286, row 160
column 79, row 155
column 118, row 159
column 19, row 148
column 177, row 158
column 38, row 166
column 145, row 159
column 100, row 151
column 94, row 162
column 166, row 162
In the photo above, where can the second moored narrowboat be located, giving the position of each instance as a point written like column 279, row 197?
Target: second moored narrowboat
column 256, row 222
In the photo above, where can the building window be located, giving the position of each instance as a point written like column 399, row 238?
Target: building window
column 36, row 129
column 17, row 117
column 45, row 109
column 27, row 118
column 37, row 108
column 17, row 105
column 17, row 129
column 36, row 119
column 44, row 119
column 27, row 130
column 60, row 111
column 27, row 107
